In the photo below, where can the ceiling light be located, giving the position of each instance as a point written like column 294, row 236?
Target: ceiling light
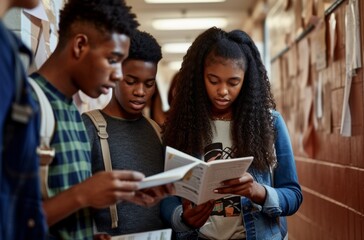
column 183, row 1
column 175, row 65
column 188, row 23
column 176, row 47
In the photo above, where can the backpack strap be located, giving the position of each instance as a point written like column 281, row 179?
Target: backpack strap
column 101, row 125
column 47, row 127
column 156, row 127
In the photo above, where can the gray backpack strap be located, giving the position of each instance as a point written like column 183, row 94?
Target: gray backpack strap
column 101, row 125
column 156, row 127
column 47, row 127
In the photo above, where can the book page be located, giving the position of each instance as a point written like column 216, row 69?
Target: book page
column 195, row 179
column 198, row 185
column 190, row 186
column 175, row 158
column 168, row 176
column 221, row 170
column 165, row 234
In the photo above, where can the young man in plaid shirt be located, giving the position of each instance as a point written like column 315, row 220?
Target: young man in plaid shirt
column 93, row 42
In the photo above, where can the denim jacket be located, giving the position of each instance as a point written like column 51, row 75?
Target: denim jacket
column 283, row 197
column 21, row 212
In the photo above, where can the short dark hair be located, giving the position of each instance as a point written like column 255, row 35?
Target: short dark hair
column 145, row 47
column 105, row 15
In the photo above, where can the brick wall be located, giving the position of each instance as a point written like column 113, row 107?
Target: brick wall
column 330, row 166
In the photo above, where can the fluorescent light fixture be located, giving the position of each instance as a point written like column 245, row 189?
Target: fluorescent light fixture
column 188, row 23
column 175, row 65
column 183, row 1
column 176, row 47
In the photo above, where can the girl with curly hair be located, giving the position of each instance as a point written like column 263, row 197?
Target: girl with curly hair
column 223, row 96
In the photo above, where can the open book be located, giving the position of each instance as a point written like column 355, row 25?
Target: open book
column 195, row 179
column 164, row 234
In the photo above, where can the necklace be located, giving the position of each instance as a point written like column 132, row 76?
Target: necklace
column 222, row 118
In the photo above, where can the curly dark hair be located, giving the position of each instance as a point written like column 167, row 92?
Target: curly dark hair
column 108, row 16
column 145, row 47
column 189, row 125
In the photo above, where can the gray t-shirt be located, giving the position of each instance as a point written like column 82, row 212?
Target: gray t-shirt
column 134, row 145
column 225, row 221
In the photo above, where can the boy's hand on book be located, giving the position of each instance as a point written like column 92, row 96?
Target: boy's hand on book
column 195, row 216
column 106, row 188
column 141, row 198
column 158, row 193
column 244, row 186
column 102, row 236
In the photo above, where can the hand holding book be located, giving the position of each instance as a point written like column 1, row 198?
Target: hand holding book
column 195, row 179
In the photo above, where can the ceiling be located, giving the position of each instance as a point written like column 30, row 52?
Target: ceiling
column 235, row 11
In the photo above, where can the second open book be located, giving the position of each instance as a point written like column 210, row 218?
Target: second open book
column 195, row 179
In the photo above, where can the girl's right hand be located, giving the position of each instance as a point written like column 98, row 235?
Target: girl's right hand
column 195, row 216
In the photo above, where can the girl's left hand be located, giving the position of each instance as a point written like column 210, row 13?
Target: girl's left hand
column 244, row 186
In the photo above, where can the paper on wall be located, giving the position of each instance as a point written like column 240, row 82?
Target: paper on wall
column 320, row 46
column 304, row 62
column 38, row 12
column 333, row 37
column 40, row 53
column 345, row 129
column 318, row 102
column 53, row 37
column 356, row 25
column 353, row 61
